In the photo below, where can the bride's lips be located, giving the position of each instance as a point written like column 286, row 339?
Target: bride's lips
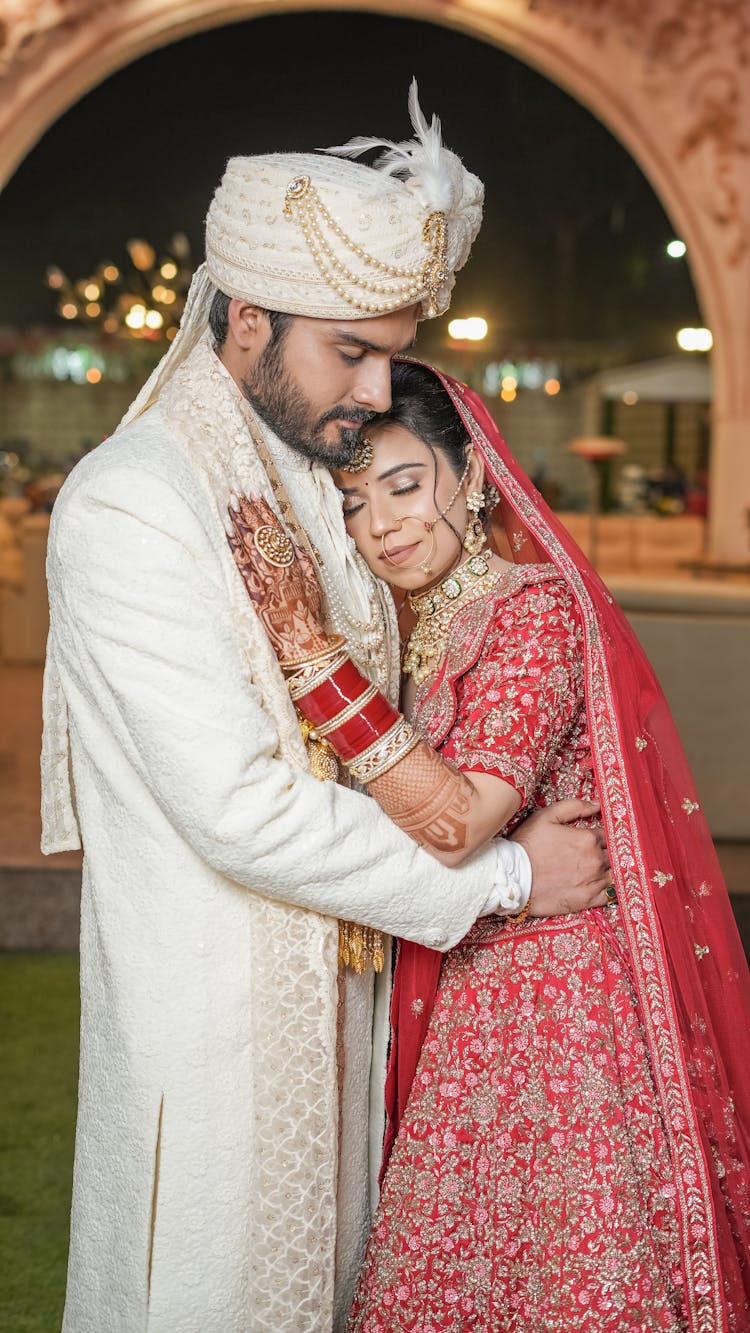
column 398, row 555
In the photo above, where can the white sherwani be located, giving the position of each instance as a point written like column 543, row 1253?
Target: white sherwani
column 215, row 1057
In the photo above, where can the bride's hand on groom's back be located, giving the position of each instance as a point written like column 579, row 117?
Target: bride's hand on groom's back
column 570, row 865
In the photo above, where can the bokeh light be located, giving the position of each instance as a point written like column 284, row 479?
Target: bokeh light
column 694, row 340
column 473, row 329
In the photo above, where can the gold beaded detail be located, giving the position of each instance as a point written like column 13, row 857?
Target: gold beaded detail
column 363, row 456
column 276, row 548
column 435, row 237
column 396, row 286
column 324, row 764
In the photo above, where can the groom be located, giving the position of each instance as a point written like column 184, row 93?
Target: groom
column 227, row 1063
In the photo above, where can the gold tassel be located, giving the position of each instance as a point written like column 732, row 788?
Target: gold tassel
column 359, row 946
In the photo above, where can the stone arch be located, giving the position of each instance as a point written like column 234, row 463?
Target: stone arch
column 668, row 77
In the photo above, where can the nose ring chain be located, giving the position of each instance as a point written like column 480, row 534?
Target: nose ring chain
column 425, row 564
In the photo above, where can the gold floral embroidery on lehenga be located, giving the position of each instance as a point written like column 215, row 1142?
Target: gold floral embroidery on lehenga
column 531, row 1185
column 704, row 1289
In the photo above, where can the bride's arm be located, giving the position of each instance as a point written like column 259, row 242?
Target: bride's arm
column 449, row 813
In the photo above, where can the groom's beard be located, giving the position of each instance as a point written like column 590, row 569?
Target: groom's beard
column 282, row 404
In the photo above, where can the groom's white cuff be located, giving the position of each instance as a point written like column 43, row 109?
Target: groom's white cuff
column 511, row 886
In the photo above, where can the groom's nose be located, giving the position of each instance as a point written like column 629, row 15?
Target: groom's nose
column 373, row 386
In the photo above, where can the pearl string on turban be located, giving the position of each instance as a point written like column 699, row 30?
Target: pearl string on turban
column 319, row 235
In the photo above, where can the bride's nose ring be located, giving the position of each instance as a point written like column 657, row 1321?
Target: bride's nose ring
column 423, row 564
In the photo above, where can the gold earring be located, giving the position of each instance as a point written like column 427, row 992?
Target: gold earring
column 474, row 537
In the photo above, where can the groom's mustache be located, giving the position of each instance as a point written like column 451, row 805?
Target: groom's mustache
column 341, row 413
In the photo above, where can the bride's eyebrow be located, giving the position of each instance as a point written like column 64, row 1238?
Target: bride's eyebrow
column 400, row 467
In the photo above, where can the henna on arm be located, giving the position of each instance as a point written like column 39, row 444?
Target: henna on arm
column 449, row 813
column 286, row 599
column 428, row 798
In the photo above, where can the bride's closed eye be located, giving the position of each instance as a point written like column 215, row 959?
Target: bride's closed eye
column 350, row 509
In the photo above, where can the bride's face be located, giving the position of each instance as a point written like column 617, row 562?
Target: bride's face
column 399, row 510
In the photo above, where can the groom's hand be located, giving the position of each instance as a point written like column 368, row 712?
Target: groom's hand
column 570, row 866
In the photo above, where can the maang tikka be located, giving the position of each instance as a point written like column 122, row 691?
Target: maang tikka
column 362, row 456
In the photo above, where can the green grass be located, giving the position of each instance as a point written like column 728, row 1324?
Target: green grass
column 38, row 1077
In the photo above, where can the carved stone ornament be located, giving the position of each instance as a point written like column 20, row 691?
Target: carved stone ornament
column 693, row 57
column 25, row 24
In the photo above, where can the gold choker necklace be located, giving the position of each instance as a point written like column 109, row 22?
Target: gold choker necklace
column 436, row 609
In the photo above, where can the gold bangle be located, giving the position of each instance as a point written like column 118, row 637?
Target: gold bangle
column 309, row 677
column 520, row 917
column 376, row 760
column 336, row 641
column 390, row 761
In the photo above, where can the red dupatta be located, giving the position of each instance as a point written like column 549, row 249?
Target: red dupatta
column 687, row 959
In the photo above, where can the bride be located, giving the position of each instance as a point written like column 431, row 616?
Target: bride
column 567, row 1096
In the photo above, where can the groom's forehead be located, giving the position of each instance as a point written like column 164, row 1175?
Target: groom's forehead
column 388, row 335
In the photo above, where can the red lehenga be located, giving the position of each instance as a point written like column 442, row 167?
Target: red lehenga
column 568, row 1099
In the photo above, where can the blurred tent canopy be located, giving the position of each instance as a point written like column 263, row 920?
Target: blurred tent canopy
column 670, row 379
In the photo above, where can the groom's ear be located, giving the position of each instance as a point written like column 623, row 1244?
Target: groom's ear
column 249, row 326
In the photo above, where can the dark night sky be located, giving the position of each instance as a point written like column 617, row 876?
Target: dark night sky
column 573, row 238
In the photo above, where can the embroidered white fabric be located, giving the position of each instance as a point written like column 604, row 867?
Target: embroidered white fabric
column 288, row 1108
column 256, row 251
column 295, row 953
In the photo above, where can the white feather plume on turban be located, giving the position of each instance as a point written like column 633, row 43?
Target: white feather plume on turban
column 365, row 221
column 255, row 251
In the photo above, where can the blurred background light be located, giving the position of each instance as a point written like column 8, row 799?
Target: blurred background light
column 473, row 329
column 694, row 340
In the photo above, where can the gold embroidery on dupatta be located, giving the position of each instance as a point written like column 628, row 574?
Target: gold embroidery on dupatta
column 703, row 1287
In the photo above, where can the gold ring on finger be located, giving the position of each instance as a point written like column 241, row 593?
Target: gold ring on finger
column 611, row 893
column 275, row 546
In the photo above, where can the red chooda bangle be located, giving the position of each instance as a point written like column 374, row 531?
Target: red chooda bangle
column 349, row 712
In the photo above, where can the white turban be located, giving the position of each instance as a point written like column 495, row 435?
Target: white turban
column 319, row 235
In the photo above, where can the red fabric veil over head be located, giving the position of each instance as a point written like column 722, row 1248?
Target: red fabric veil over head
column 688, row 965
